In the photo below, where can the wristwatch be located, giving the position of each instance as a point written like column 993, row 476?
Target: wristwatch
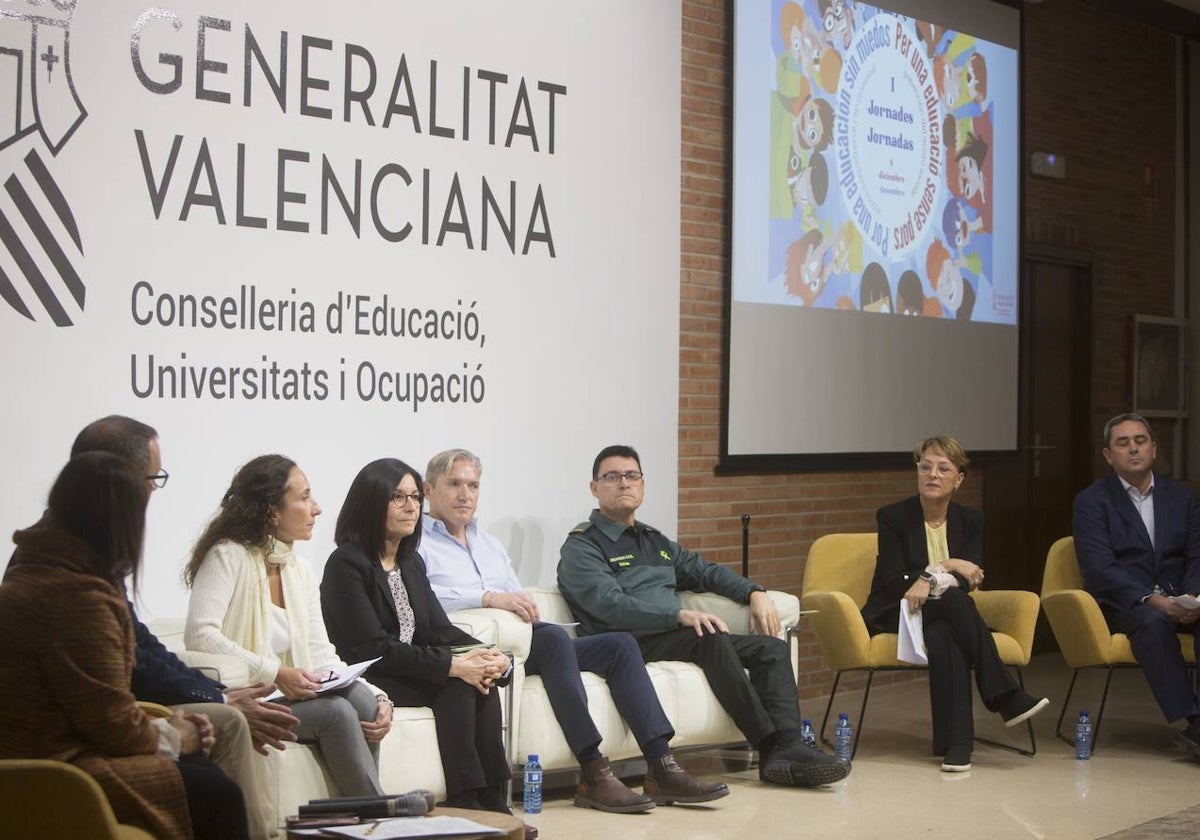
column 755, row 588
column 928, row 577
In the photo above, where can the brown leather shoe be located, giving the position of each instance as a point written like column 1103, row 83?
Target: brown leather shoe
column 668, row 783
column 531, row 831
column 601, row 790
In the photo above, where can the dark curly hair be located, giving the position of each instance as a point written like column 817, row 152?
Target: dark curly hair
column 245, row 513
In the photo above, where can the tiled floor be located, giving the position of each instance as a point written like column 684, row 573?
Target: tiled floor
column 897, row 790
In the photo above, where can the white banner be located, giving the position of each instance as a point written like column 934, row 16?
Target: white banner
column 342, row 232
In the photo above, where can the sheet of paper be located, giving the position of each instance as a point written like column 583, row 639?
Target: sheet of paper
column 403, row 827
column 339, row 679
column 1188, row 602
column 910, row 647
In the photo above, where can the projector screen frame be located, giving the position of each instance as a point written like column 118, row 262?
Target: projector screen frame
column 785, row 462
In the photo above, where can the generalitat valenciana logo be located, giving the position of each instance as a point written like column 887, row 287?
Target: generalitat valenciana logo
column 39, row 112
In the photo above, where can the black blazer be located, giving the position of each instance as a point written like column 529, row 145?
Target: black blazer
column 902, row 555
column 360, row 616
column 160, row 676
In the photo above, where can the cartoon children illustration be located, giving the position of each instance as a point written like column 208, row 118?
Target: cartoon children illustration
column 945, row 275
column 962, row 85
column 789, row 69
column 819, row 59
column 963, row 229
column 812, row 126
column 968, row 143
column 847, row 250
column 809, row 186
column 874, row 294
column 910, row 297
column 837, row 22
column 806, row 272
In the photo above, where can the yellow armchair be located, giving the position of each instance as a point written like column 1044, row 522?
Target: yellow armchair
column 42, row 799
column 837, row 581
column 1082, row 633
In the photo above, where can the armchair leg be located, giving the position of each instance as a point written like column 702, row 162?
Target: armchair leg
column 862, row 714
column 837, row 678
column 1058, row 733
column 1029, row 723
column 1100, row 714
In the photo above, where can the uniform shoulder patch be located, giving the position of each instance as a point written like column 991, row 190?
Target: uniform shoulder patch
column 581, row 527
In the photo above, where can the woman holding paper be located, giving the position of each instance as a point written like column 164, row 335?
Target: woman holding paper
column 253, row 598
column 929, row 559
column 378, row 603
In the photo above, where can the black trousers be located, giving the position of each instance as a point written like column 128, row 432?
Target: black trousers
column 957, row 640
column 1156, row 647
column 558, row 659
column 468, row 726
column 214, row 801
column 760, row 704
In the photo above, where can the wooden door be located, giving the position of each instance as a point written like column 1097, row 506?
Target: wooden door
column 1028, row 496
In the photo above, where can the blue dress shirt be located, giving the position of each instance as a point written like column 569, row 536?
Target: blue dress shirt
column 461, row 574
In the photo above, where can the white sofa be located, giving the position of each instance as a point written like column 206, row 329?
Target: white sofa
column 409, row 756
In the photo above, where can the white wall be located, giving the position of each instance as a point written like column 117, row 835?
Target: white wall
column 576, row 349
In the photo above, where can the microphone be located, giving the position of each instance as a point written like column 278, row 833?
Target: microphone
column 415, row 803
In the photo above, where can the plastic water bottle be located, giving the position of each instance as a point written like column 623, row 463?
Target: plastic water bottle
column 807, row 736
column 843, row 737
column 533, row 785
column 1083, row 736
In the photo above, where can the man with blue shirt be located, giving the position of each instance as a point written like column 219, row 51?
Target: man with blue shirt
column 1137, row 539
column 468, row 568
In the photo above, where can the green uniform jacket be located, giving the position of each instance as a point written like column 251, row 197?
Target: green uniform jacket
column 619, row 578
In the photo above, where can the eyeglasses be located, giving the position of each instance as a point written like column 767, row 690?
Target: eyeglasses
column 632, row 476
column 159, row 479
column 943, row 470
column 401, row 499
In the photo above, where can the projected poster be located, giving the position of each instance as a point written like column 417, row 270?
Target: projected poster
column 876, row 174
column 880, row 184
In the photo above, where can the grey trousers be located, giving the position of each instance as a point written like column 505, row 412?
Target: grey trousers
column 331, row 721
column 233, row 751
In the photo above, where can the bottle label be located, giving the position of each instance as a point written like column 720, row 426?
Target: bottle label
column 533, row 777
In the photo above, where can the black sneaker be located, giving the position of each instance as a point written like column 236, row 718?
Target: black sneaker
column 801, row 766
column 1020, row 707
column 957, row 760
column 1189, row 739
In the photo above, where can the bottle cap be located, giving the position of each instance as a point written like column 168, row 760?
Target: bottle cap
column 532, row 758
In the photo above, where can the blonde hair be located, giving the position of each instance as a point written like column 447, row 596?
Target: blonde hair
column 943, row 445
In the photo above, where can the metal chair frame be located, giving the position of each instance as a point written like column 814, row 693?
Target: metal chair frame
column 862, row 713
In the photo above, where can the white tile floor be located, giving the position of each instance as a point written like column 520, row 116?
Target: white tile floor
column 897, row 790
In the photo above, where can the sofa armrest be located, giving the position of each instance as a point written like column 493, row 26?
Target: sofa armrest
column 227, row 670
column 496, row 627
column 736, row 615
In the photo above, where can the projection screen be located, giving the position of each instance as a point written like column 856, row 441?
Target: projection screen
column 876, row 216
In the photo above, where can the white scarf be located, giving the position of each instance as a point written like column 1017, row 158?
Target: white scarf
column 248, row 620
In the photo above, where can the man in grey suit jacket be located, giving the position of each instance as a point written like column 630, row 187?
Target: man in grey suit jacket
column 1137, row 538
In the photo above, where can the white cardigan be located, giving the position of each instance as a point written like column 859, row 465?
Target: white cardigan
column 229, row 611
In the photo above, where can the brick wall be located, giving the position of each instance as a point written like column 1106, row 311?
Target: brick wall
column 1099, row 90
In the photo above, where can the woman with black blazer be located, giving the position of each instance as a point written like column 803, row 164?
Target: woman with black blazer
column 930, row 551
column 377, row 603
